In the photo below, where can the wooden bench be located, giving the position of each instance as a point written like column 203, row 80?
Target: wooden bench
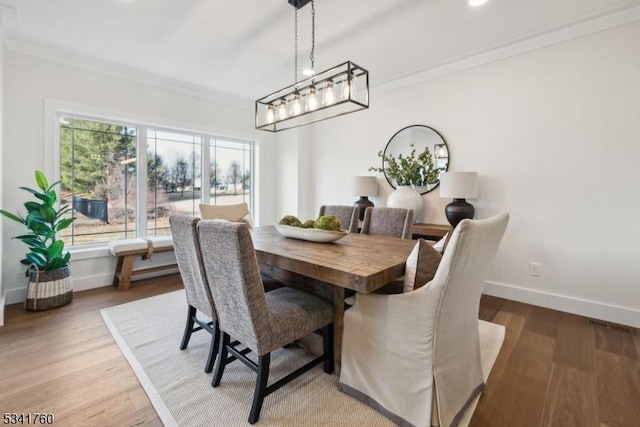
column 129, row 249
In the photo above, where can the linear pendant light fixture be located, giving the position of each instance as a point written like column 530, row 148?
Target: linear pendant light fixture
column 340, row 90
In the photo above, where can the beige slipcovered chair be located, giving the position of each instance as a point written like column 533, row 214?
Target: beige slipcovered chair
column 260, row 322
column 393, row 222
column 415, row 357
column 236, row 212
column 347, row 215
column 189, row 259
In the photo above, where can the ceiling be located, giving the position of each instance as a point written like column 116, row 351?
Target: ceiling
column 246, row 48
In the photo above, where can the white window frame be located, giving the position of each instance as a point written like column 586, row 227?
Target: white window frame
column 54, row 110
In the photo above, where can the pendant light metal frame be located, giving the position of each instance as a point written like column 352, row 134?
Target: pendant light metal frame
column 334, row 92
column 356, row 98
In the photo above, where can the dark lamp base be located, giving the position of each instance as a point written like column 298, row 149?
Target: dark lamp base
column 458, row 210
column 361, row 204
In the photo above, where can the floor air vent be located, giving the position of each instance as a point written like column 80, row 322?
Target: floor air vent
column 598, row 323
column 611, row 326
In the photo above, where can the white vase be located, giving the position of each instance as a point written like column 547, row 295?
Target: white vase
column 406, row 197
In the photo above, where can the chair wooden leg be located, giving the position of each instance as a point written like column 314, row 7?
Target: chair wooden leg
column 188, row 328
column 327, row 345
column 213, row 349
column 261, row 387
column 223, row 353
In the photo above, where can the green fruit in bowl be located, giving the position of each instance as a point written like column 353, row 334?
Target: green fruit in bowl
column 328, row 222
column 290, row 220
column 308, row 223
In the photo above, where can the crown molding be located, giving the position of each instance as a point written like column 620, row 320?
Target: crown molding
column 506, row 50
column 9, row 17
column 125, row 72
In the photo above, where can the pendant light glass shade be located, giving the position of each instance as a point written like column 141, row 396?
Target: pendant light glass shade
column 315, row 98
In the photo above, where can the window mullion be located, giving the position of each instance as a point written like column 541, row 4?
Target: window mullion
column 141, row 194
column 205, row 186
column 253, row 182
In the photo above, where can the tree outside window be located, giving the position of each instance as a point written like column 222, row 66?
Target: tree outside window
column 99, row 177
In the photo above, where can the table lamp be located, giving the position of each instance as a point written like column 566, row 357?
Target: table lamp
column 363, row 186
column 459, row 186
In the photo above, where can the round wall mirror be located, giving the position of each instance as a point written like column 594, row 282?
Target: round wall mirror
column 415, row 155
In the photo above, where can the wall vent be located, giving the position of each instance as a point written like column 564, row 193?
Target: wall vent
column 611, row 326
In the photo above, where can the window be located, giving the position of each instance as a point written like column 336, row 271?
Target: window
column 174, row 176
column 116, row 191
column 230, row 172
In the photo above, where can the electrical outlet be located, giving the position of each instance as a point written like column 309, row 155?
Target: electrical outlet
column 534, row 269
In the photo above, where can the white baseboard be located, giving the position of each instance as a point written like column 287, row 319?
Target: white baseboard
column 582, row 307
column 84, row 283
column 2, row 304
column 15, row 296
column 592, row 309
column 91, row 282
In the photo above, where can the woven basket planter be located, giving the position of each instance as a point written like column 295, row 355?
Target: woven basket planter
column 49, row 289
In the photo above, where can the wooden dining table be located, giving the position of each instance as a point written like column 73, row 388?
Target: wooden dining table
column 359, row 262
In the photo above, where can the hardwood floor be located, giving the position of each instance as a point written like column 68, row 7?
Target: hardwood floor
column 558, row 369
column 65, row 362
column 554, row 369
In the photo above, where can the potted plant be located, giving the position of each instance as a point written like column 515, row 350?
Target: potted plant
column 411, row 170
column 47, row 262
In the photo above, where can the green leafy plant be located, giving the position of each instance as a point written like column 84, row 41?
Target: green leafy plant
column 409, row 170
column 43, row 222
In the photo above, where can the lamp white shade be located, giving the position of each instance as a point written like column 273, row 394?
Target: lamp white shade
column 364, row 186
column 459, row 185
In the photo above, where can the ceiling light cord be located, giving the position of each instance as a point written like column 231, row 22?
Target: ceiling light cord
column 313, row 34
column 296, row 46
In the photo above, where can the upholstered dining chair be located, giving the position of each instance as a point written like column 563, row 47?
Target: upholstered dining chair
column 393, row 222
column 260, row 322
column 415, row 356
column 189, row 258
column 347, row 215
column 236, row 212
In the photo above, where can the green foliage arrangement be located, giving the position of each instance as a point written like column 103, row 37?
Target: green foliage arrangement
column 325, row 222
column 291, row 221
column 43, row 222
column 409, row 170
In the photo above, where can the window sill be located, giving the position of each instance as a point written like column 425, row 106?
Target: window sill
column 80, row 253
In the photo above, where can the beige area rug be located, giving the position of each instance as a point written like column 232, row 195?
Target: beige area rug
column 149, row 332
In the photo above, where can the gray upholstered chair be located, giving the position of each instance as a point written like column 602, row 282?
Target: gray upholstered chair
column 258, row 321
column 347, row 215
column 187, row 251
column 393, row 222
column 238, row 212
column 440, row 373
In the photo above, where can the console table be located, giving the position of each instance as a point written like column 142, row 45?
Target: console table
column 430, row 231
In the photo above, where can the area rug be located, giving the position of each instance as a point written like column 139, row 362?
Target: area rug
column 149, row 331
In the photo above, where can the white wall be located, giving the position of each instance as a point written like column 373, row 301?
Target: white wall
column 2, row 296
column 33, row 85
column 553, row 134
column 295, row 166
